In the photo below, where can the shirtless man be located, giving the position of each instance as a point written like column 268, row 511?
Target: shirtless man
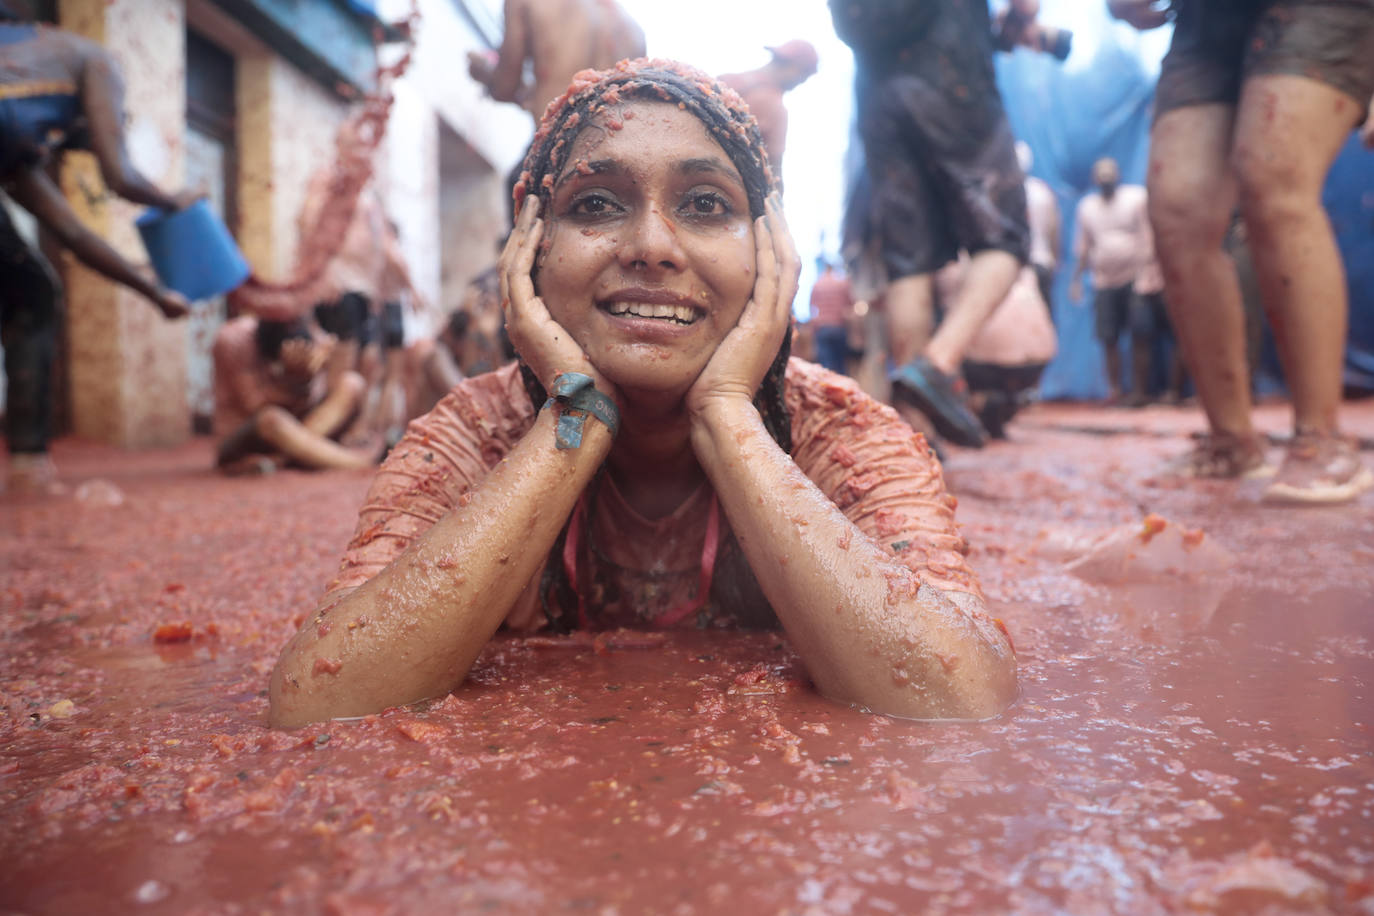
column 1114, row 243
column 1254, row 102
column 58, row 91
column 559, row 38
column 275, row 402
column 793, row 63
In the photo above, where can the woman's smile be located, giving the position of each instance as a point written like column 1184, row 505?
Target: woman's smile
column 648, row 249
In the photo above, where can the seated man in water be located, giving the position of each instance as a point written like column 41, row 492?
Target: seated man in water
column 275, row 402
column 655, row 460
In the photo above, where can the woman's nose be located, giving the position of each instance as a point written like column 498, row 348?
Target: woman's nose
column 652, row 243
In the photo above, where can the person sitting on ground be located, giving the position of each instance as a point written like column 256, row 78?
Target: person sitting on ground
column 1005, row 360
column 793, row 63
column 1114, row 243
column 58, row 92
column 1254, row 103
column 654, row 460
column 275, row 401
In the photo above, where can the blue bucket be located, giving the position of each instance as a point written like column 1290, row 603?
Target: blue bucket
column 192, row 251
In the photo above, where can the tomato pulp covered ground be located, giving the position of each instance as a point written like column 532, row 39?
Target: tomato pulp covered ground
column 1200, row 741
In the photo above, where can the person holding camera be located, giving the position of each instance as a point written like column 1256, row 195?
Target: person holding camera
column 943, row 177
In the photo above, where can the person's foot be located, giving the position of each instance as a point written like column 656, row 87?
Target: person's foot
column 1320, row 468
column 33, row 474
column 941, row 397
column 250, row 466
column 1136, row 399
column 1217, row 456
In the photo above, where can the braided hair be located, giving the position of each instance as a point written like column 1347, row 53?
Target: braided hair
column 729, row 123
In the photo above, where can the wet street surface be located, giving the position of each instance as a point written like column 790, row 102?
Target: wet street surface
column 1193, row 732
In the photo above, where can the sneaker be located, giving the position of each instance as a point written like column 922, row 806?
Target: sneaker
column 1218, row 456
column 941, row 397
column 1320, row 469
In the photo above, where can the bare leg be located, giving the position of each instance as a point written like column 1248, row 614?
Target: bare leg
column 1192, row 194
column 910, row 304
column 1112, row 354
column 392, row 410
column 290, row 436
column 987, row 280
column 328, row 417
column 1288, row 132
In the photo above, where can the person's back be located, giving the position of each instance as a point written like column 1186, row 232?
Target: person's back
column 562, row 37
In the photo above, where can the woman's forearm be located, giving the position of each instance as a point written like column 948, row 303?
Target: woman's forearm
column 415, row 628
column 868, row 631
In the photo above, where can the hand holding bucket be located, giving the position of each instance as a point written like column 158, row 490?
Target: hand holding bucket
column 192, row 251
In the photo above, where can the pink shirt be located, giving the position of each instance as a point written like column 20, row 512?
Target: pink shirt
column 859, row 453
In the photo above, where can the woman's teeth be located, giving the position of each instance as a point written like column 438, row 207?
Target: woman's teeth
column 683, row 314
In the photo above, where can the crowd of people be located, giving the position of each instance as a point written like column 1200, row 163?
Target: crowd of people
column 611, row 429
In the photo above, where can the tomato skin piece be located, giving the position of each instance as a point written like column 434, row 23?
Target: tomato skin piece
column 180, row 631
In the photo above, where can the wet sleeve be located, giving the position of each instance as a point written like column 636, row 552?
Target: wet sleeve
column 443, row 455
column 880, row 473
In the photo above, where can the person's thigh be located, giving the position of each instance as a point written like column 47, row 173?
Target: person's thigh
column 1328, row 41
column 1206, row 55
column 1111, row 307
column 1309, row 75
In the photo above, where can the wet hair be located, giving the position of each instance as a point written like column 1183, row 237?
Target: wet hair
column 458, row 321
column 270, row 335
column 729, row 123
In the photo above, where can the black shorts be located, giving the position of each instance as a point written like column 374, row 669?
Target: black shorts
column 1011, row 380
column 940, row 154
column 1218, row 44
column 349, row 318
column 393, row 327
column 1112, row 312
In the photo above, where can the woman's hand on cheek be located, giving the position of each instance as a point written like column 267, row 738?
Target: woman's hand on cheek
column 743, row 357
column 543, row 344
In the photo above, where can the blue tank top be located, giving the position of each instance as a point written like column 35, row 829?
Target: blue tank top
column 35, row 116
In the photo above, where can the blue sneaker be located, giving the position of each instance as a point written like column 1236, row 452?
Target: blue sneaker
column 938, row 396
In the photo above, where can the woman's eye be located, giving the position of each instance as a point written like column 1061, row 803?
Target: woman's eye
column 707, row 204
column 593, row 205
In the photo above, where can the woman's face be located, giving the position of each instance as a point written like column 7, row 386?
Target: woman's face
column 650, row 254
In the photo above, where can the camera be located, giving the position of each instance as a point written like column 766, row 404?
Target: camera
column 1012, row 29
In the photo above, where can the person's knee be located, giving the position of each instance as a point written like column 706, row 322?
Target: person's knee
column 1183, row 212
column 273, row 422
column 352, row 385
column 1273, row 180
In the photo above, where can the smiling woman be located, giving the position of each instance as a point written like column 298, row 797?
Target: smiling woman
column 685, row 471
